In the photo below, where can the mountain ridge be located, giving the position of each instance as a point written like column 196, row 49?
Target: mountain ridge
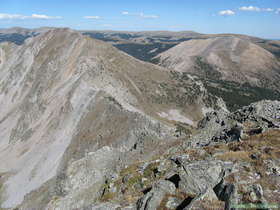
column 68, row 99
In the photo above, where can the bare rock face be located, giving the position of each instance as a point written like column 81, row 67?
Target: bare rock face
column 74, row 110
column 226, row 58
column 223, row 126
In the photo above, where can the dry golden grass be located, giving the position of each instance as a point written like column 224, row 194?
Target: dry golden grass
column 234, row 156
column 254, row 151
column 179, row 195
column 263, row 146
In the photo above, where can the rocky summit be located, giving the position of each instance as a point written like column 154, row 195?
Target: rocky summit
column 232, row 159
column 84, row 125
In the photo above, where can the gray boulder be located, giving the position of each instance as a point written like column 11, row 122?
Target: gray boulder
column 152, row 199
column 199, row 176
column 222, row 126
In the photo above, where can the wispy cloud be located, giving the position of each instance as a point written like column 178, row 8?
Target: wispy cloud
column 250, row 8
column 10, row 16
column 140, row 14
column 148, row 16
column 268, row 9
column 255, row 9
column 92, row 17
column 277, row 11
column 125, row 13
column 46, row 17
column 107, row 25
column 226, row 13
column 4, row 16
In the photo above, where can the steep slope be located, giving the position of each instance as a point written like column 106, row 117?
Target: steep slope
column 74, row 110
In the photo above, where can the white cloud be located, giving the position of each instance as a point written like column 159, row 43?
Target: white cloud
column 92, row 17
column 125, row 13
column 268, row 9
column 278, row 11
column 226, row 12
column 107, row 25
column 250, row 8
column 11, row 16
column 4, row 16
column 141, row 15
column 46, row 17
column 255, row 9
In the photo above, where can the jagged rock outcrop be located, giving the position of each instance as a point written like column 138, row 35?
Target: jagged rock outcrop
column 226, row 127
column 221, row 174
column 184, row 181
column 196, row 183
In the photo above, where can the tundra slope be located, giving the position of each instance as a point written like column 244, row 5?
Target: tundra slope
column 233, row 68
column 74, row 110
column 231, row 59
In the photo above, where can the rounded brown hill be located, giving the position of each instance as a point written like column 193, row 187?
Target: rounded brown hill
column 225, row 58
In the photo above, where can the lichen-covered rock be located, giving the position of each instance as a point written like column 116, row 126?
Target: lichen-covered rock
column 197, row 177
column 104, row 206
column 191, row 181
column 206, row 201
column 153, row 198
column 223, row 126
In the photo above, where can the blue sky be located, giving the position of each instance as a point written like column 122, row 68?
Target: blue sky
column 254, row 17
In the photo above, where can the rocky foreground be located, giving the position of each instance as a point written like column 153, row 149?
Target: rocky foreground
column 232, row 160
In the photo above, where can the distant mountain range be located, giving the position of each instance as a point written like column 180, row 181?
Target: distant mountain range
column 239, row 68
column 142, row 45
column 146, row 45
